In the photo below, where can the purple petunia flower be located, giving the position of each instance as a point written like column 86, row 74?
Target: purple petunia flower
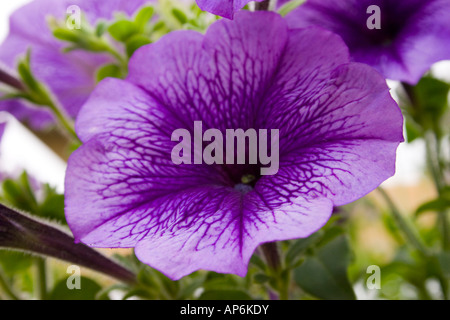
column 410, row 36
column 338, row 128
column 223, row 8
column 70, row 76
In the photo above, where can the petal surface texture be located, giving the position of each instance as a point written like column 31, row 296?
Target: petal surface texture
column 338, row 126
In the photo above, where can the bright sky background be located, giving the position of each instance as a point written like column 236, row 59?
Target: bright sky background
column 20, row 149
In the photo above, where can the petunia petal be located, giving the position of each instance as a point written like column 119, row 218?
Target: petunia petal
column 408, row 42
column 123, row 190
column 223, row 8
column 70, row 76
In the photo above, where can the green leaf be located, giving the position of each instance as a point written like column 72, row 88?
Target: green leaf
column 413, row 130
column 187, row 291
column 430, row 101
column 143, row 17
column 439, row 204
column 257, row 261
column 53, row 205
column 216, row 281
column 101, row 28
column 289, row 6
column 261, row 278
column 299, row 246
column 19, row 194
column 123, row 30
column 108, row 71
column 135, row 43
column 88, row 291
column 24, row 70
column 65, row 34
column 225, row 295
column 13, row 262
column 180, row 16
column 444, row 262
column 324, row 275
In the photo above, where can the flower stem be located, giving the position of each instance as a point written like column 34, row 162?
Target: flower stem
column 6, row 288
column 20, row 232
column 41, row 278
column 403, row 225
column 11, row 81
column 435, row 167
column 63, row 119
column 433, row 151
column 272, row 255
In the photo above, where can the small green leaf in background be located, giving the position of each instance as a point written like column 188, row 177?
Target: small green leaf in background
column 143, row 17
column 123, row 30
column 413, row 130
column 289, row 6
column 20, row 193
column 13, row 262
column 88, row 291
column 135, row 42
column 180, row 16
column 108, row 71
column 300, row 246
column 261, row 278
column 324, row 275
column 225, row 295
column 444, row 261
column 439, row 204
column 430, row 102
column 53, row 205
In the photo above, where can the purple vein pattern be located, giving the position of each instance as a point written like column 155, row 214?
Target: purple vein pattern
column 339, row 131
column 223, row 8
column 70, row 76
column 414, row 34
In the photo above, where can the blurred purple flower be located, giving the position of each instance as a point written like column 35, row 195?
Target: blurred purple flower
column 71, row 76
column 414, row 34
column 339, row 130
column 223, row 8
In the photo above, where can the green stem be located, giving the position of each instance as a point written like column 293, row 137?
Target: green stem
column 435, row 167
column 6, row 288
column 433, row 160
column 63, row 119
column 21, row 232
column 11, row 81
column 403, row 225
column 272, row 256
column 41, row 278
column 123, row 61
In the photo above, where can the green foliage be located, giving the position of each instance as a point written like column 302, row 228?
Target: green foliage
column 441, row 203
column 122, row 30
column 425, row 107
column 324, row 274
column 225, row 295
column 20, row 194
column 135, row 42
column 109, row 70
column 88, row 290
column 289, row 6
